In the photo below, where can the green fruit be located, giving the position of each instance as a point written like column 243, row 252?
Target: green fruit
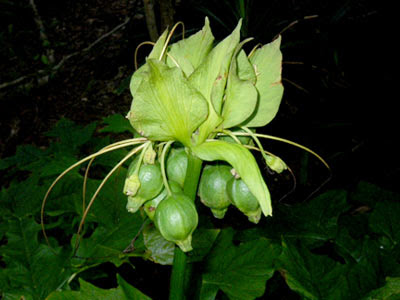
column 244, row 200
column 176, row 218
column 176, row 165
column 212, row 189
column 151, row 184
column 151, row 205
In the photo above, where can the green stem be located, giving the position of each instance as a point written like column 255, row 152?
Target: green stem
column 177, row 284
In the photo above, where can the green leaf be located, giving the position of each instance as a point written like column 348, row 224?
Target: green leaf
column 33, row 270
column 384, row 220
column 142, row 73
column 162, row 251
column 87, row 291
column 239, row 271
column 267, row 63
column 116, row 124
column 210, row 80
column 390, row 291
column 312, row 276
column 241, row 97
column 166, row 107
column 244, row 163
column 190, row 52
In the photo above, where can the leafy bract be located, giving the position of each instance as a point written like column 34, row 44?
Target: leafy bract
column 166, row 107
column 189, row 53
column 244, row 163
column 240, row 272
column 267, row 63
column 87, row 291
column 142, row 72
column 241, row 95
column 210, row 79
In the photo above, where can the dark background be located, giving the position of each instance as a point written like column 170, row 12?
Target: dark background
column 338, row 73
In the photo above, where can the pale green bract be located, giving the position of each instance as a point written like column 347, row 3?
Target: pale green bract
column 245, row 165
column 165, row 106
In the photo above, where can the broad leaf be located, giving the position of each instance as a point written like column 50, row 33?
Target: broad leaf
column 384, row 220
column 244, row 163
column 390, row 291
column 190, row 52
column 239, row 271
column 241, row 97
column 117, row 124
column 210, row 79
column 33, row 270
column 166, row 107
column 87, row 291
column 267, row 63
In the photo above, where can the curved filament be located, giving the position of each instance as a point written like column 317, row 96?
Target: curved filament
column 115, row 146
column 170, row 36
column 164, row 175
column 129, row 155
column 137, row 49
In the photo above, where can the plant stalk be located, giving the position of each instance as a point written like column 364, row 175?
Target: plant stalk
column 178, row 276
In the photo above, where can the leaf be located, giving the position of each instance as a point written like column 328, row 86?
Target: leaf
column 267, row 63
column 241, row 97
column 384, row 220
column 239, row 271
column 166, row 107
column 33, row 270
column 142, row 73
column 390, row 291
column 190, row 52
column 162, row 251
column 87, row 291
column 244, row 163
column 70, row 135
column 106, row 244
column 210, row 80
column 312, row 276
column 116, row 124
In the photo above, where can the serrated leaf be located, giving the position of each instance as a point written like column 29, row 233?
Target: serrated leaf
column 191, row 51
column 33, row 269
column 116, row 124
column 239, row 271
column 88, row 291
column 244, row 163
column 267, row 63
column 166, row 107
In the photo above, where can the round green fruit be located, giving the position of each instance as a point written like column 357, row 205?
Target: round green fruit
column 176, row 218
column 150, row 185
column 244, row 200
column 151, row 205
column 177, row 165
column 212, row 189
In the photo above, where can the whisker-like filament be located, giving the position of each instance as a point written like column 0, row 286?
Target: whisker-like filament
column 129, row 155
column 112, row 147
column 137, row 50
column 170, row 36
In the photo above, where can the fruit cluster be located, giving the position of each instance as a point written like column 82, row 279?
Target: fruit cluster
column 175, row 214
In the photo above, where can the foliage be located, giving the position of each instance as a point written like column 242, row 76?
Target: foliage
column 326, row 248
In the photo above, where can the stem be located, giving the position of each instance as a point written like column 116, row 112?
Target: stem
column 177, row 284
